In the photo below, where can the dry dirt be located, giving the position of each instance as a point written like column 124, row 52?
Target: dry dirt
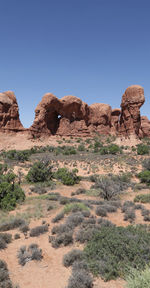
column 50, row 273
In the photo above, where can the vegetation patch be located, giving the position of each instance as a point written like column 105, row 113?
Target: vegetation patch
column 142, row 198
column 114, row 249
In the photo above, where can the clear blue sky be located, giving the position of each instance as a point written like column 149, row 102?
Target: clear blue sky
column 93, row 49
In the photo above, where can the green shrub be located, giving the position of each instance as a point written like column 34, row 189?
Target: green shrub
column 39, row 172
column 10, row 195
column 142, row 149
column 114, row 149
column 81, row 147
column 113, row 249
column 138, row 279
column 143, row 198
column 67, row 177
column 144, row 176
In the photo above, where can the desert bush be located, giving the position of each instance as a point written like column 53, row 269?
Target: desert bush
column 12, row 224
column 17, row 236
column 113, row 249
column 138, row 279
column 39, row 172
column 145, row 212
column 110, row 187
column 114, row 149
column 104, row 222
column 20, row 156
column 38, row 230
column 79, row 191
column 127, row 205
column 67, row 177
column 5, row 238
column 86, row 233
column 63, row 239
column 142, row 149
column 129, row 215
column 58, row 217
column 101, row 211
column 59, row 229
column 144, row 176
column 146, row 164
column 143, row 198
column 72, row 256
column 81, row 147
column 81, row 279
column 74, row 219
column 10, row 195
column 24, row 228
column 5, row 281
column 28, row 254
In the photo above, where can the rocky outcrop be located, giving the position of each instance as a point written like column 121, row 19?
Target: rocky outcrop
column 145, row 127
column 46, row 116
column 100, row 118
column 9, row 113
column 115, row 120
column 130, row 120
column 70, row 116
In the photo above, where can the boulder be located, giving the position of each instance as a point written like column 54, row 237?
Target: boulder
column 9, row 113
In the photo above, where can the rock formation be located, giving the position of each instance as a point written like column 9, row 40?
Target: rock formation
column 9, row 113
column 100, row 118
column 145, row 127
column 130, row 120
column 115, row 119
column 71, row 116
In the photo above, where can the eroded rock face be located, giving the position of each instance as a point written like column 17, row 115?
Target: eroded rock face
column 100, row 118
column 46, row 116
column 145, row 127
column 130, row 120
column 115, row 119
column 9, row 113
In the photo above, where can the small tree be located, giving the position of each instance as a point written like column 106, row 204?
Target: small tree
column 40, row 172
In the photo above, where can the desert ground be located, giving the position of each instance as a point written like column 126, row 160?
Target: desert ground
column 49, row 203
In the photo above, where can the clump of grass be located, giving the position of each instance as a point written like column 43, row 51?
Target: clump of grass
column 74, row 207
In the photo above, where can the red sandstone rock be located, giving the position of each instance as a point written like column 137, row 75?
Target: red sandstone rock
column 9, row 113
column 145, row 127
column 46, row 116
column 115, row 116
column 100, row 118
column 130, row 120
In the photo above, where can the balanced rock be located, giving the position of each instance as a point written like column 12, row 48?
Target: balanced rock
column 9, row 113
column 130, row 120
